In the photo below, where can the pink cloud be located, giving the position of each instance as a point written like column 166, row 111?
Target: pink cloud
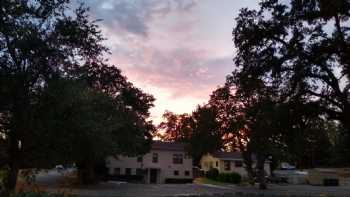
column 161, row 47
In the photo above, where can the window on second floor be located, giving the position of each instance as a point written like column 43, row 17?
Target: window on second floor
column 176, row 172
column 217, row 164
column 227, row 165
column 155, row 158
column 139, row 159
column 177, row 158
column 187, row 173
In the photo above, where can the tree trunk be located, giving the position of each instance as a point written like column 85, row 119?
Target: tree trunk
column 261, row 171
column 86, row 173
column 12, row 167
column 248, row 163
column 10, row 180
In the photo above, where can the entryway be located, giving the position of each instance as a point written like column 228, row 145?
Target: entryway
column 153, row 175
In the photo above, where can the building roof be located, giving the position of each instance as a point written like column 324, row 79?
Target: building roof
column 232, row 156
column 227, row 155
column 168, row 146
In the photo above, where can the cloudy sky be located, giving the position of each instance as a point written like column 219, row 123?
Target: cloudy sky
column 177, row 50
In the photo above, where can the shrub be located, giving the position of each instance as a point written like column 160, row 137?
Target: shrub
column 212, row 174
column 233, row 177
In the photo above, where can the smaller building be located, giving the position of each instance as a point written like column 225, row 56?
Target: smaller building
column 227, row 162
column 166, row 162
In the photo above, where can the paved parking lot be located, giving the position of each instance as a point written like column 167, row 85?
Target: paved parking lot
column 51, row 180
column 163, row 190
column 150, row 190
column 300, row 190
column 117, row 189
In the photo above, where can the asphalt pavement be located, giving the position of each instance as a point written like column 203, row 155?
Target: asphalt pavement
column 50, row 181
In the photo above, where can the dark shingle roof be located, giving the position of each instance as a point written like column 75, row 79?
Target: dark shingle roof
column 230, row 155
column 168, row 146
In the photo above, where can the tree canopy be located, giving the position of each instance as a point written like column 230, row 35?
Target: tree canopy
column 199, row 130
column 292, row 75
column 60, row 100
column 298, row 48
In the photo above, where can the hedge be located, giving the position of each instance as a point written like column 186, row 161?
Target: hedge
column 212, row 173
column 233, row 177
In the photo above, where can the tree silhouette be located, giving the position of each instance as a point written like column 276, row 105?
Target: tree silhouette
column 58, row 92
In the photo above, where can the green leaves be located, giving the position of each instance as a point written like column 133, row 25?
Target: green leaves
column 291, row 74
column 59, row 97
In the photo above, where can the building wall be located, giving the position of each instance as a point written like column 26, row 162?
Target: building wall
column 208, row 161
column 165, row 165
column 240, row 170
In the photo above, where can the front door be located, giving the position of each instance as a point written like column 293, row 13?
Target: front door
column 153, row 176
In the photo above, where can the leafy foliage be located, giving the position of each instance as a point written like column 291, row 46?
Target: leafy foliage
column 213, row 173
column 199, row 130
column 300, row 50
column 232, row 177
column 292, row 76
column 60, row 100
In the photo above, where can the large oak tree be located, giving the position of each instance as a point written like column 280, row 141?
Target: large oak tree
column 59, row 97
column 300, row 48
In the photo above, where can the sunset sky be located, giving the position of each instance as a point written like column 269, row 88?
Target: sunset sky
column 177, row 50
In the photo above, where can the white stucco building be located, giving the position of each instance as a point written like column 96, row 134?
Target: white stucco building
column 166, row 161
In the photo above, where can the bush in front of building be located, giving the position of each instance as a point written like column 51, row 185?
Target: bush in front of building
column 212, row 173
column 232, row 177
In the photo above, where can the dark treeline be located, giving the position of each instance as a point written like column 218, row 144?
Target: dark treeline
column 288, row 96
column 60, row 100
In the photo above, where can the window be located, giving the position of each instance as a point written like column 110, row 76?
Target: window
column 139, row 159
column 127, row 171
column 176, row 173
column 238, row 163
column 187, row 173
column 139, row 171
column 116, row 171
column 217, row 164
column 177, row 158
column 227, row 165
column 155, row 158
